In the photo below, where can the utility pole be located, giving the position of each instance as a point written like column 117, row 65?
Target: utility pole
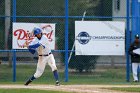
column 7, row 27
column 7, row 21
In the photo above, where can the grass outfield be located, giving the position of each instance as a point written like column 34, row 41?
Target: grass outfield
column 23, row 72
column 107, row 76
column 28, row 91
column 128, row 89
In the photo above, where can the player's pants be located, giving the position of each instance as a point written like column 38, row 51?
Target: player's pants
column 42, row 61
column 135, row 67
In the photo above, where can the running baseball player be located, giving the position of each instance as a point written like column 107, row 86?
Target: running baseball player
column 41, row 44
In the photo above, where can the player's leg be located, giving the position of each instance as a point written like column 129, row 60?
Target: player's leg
column 39, row 71
column 138, row 70
column 29, row 80
column 134, row 70
column 51, row 63
column 56, row 77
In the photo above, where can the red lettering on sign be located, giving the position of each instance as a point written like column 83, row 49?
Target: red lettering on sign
column 23, row 35
column 20, row 33
column 49, row 35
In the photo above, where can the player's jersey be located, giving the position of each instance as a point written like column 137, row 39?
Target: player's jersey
column 42, row 46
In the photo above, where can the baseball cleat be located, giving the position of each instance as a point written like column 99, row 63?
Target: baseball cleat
column 57, row 83
column 135, row 81
column 29, row 81
column 26, row 84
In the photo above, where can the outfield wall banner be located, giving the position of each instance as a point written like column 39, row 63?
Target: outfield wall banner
column 23, row 32
column 100, row 37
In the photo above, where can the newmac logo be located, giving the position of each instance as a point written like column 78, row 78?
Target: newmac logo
column 83, row 38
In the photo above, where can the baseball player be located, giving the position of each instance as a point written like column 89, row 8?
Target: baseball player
column 41, row 44
column 135, row 58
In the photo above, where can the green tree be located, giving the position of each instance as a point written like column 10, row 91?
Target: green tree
column 83, row 63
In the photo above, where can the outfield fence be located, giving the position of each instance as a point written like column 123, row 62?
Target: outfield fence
column 64, row 13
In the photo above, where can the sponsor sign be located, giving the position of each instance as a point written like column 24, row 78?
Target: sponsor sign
column 99, row 38
column 23, row 32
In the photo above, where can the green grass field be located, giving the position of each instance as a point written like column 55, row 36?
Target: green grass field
column 108, row 76
column 28, row 91
column 134, row 89
column 103, row 76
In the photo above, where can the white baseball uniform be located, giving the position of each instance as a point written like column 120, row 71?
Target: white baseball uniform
column 42, row 46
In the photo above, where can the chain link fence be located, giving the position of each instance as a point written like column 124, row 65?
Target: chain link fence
column 53, row 11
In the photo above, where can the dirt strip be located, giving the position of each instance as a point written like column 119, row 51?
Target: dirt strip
column 69, row 88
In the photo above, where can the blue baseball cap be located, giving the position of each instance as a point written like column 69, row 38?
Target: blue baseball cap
column 37, row 31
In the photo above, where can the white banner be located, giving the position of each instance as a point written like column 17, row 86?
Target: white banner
column 99, row 38
column 24, row 31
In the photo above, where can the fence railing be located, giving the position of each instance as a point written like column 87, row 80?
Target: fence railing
column 65, row 23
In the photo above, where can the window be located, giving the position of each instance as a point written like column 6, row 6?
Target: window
column 117, row 5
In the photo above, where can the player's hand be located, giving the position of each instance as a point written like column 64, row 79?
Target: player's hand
column 26, row 44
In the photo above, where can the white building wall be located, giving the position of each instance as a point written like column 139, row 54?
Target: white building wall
column 121, row 11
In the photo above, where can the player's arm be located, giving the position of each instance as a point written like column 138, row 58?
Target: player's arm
column 31, row 51
column 131, row 49
column 34, row 46
column 26, row 44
